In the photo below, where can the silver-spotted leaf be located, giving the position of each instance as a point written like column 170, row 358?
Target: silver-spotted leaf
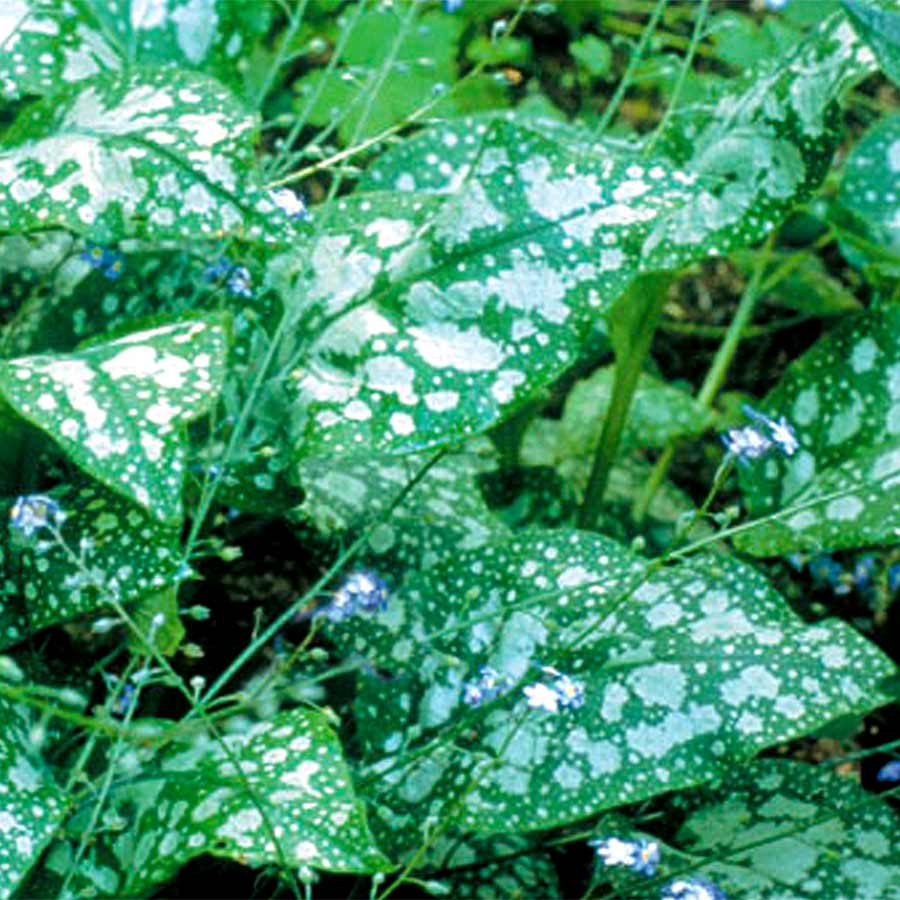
column 444, row 511
column 117, row 409
column 781, row 830
column 112, row 550
column 686, row 669
column 49, row 44
column 462, row 305
column 842, row 487
column 161, row 153
column 293, row 788
column 878, row 23
column 31, row 805
column 870, row 193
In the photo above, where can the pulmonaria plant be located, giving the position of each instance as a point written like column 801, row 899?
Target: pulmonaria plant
column 464, row 389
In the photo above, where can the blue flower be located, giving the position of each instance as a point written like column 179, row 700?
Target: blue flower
column 290, row 204
column 697, row 888
column 893, row 577
column 238, row 280
column 889, row 772
column 563, row 692
column 489, row 685
column 240, row 283
column 863, row 570
column 361, row 591
column 641, row 856
column 32, row 512
column 753, row 441
column 571, row 692
column 539, row 696
column 780, row 431
column 452, row 6
column 776, row 5
column 746, row 443
column 110, row 262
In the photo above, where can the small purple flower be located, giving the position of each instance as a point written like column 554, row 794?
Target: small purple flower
column 641, row 856
column 361, row 591
column 893, row 577
column 746, row 443
column 291, row 204
column 539, row 696
column 697, row 888
column 563, row 692
column 238, row 280
column 32, row 512
column 109, row 262
column 863, row 570
column 889, row 772
column 489, row 685
column 781, row 432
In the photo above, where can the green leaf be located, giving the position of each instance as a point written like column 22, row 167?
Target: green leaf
column 157, row 153
column 463, row 306
column 659, row 413
column 293, row 787
column 111, row 549
column 686, row 669
column 840, row 489
column 33, row 806
column 785, row 829
column 503, row 862
column 363, row 96
column 444, row 511
column 593, row 55
column 49, row 45
column 117, row 409
column 871, row 178
column 878, row 23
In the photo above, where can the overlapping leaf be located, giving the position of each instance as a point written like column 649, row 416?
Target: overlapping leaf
column 49, row 44
column 291, row 804
column 878, row 22
column 117, row 409
column 870, row 193
column 686, row 669
column 162, row 153
column 781, row 830
column 444, row 511
column 32, row 805
column 458, row 308
column 111, row 549
column 842, row 487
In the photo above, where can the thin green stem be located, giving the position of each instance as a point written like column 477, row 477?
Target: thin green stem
column 636, row 57
column 650, row 294
column 715, row 377
column 696, row 36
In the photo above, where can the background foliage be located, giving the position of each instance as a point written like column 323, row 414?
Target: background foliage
column 361, row 370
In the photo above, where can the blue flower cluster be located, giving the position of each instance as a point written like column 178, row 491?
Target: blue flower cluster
column 753, row 441
column 109, row 262
column 489, row 685
column 33, row 512
column 862, row 576
column 642, row 857
column 292, row 205
column 238, row 281
column 889, row 772
column 562, row 692
column 697, row 888
column 361, row 592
